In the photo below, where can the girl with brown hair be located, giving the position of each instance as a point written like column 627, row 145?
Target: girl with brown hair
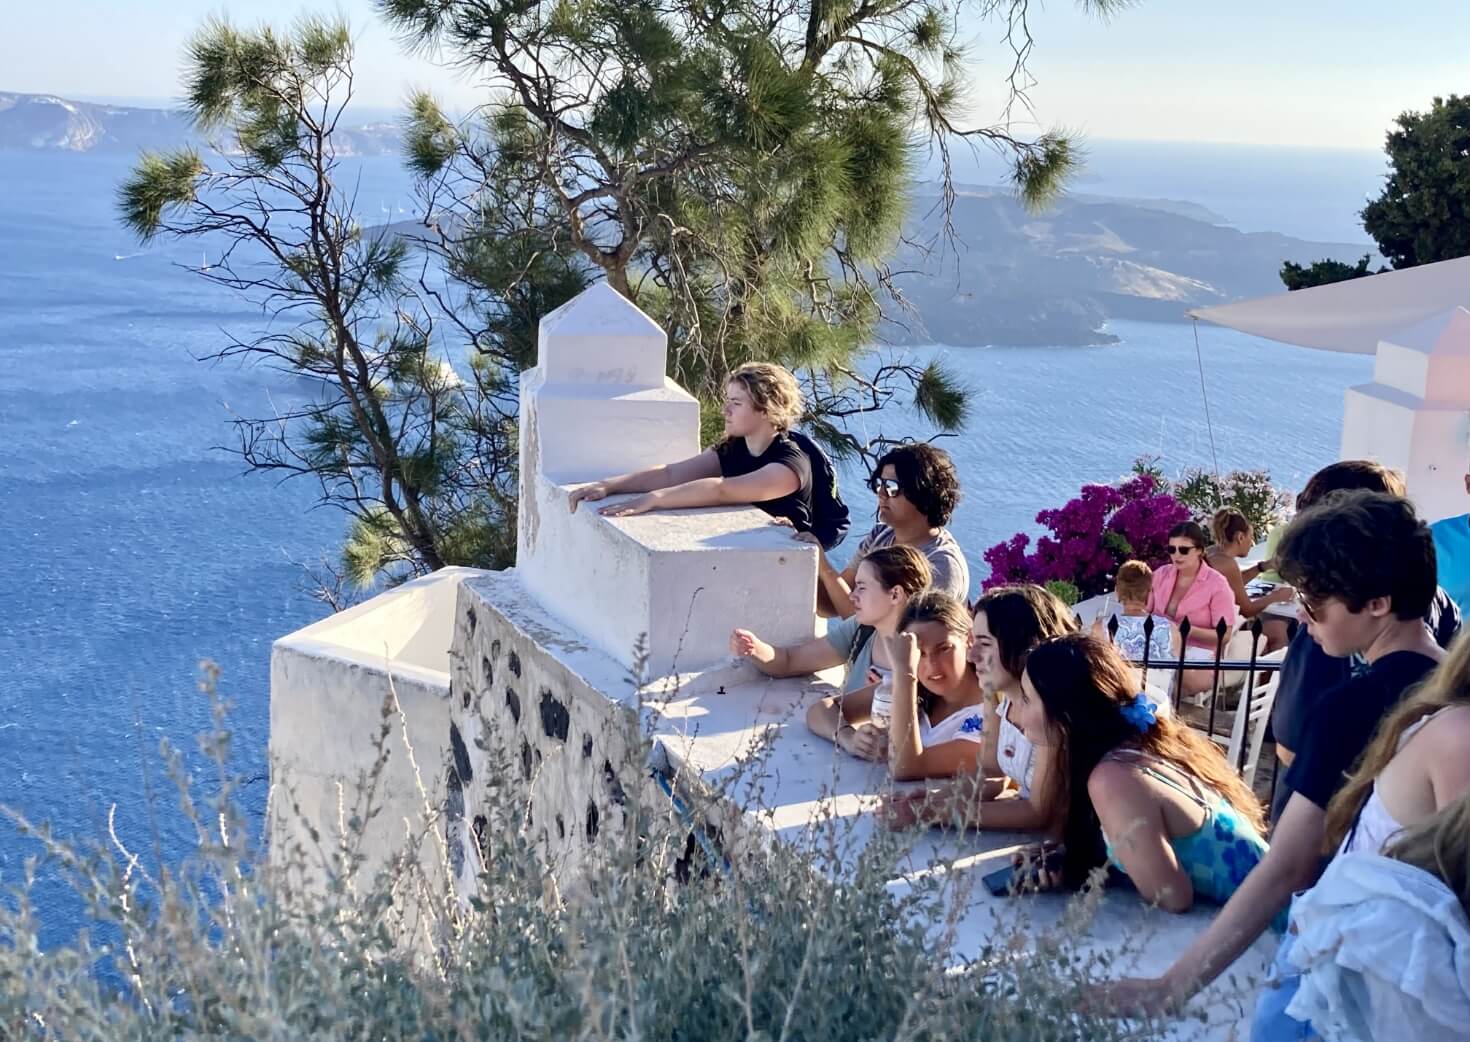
column 1014, row 784
column 938, row 723
column 857, row 719
column 1135, row 788
column 1234, row 538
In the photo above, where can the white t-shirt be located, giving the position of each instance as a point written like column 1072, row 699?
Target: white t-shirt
column 963, row 725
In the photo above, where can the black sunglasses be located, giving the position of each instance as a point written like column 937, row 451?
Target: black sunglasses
column 1182, row 551
column 888, row 486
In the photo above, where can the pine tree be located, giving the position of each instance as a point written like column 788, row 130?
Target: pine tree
column 421, row 461
column 739, row 169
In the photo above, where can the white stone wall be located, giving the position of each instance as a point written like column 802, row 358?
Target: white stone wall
column 596, row 405
column 331, row 685
column 549, row 735
column 1415, row 415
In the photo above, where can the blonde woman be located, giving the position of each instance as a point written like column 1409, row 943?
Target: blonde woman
column 757, row 463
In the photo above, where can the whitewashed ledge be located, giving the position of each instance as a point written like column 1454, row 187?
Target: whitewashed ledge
column 569, row 712
column 522, row 679
column 330, row 683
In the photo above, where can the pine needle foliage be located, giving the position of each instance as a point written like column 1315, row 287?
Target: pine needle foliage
column 420, row 458
column 738, row 169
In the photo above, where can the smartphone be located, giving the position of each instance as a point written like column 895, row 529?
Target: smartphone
column 999, row 881
column 1012, row 880
column 1022, row 879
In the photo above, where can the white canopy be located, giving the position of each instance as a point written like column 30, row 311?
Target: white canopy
column 1350, row 316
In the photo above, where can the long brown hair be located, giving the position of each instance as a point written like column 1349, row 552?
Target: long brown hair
column 1440, row 845
column 1085, row 685
column 938, row 606
column 901, row 566
column 1448, row 685
column 1021, row 616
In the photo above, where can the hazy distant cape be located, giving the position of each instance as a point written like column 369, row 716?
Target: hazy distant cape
column 1013, row 277
column 46, row 122
column 1056, row 277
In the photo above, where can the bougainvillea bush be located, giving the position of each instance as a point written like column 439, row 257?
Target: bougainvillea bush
column 1091, row 535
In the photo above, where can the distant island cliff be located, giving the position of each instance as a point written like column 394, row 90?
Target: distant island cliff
column 45, row 122
column 1056, row 277
column 1008, row 276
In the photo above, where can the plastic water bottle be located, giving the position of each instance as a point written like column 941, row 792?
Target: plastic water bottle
column 882, row 709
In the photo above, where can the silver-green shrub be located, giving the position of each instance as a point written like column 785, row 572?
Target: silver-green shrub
column 658, row 940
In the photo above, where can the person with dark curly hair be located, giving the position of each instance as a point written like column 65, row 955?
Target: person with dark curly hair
column 1307, row 671
column 1364, row 568
column 918, row 489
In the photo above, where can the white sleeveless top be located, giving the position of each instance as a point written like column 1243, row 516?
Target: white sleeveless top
column 1376, row 826
column 1014, row 752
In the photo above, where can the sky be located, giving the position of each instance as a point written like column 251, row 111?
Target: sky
column 1317, row 73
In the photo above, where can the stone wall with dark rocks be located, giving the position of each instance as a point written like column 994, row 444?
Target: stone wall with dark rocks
column 528, row 732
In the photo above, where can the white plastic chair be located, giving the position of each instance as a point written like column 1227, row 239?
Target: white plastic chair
column 1249, row 726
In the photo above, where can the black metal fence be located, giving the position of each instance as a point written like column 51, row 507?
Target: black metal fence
column 1253, row 668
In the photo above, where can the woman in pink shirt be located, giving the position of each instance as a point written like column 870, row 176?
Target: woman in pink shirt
column 1188, row 588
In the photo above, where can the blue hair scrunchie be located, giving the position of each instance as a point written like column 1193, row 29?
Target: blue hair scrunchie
column 1141, row 713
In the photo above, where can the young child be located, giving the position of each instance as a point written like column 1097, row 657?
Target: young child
column 1132, row 587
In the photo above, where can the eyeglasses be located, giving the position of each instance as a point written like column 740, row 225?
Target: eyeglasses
column 885, row 487
column 1311, row 609
column 1182, row 551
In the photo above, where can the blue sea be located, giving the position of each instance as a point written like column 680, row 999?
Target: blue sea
column 137, row 547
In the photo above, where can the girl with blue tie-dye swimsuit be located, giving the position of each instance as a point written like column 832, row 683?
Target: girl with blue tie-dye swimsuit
column 1142, row 791
column 1221, row 852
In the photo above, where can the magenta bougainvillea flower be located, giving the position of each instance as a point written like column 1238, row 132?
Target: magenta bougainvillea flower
column 1090, row 536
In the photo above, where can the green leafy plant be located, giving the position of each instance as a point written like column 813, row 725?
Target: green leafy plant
column 1249, row 491
column 1065, row 591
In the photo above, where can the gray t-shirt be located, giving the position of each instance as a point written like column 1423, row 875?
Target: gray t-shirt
column 951, row 572
column 840, row 634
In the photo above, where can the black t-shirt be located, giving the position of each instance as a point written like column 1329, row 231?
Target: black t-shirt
column 735, row 460
column 1308, row 672
column 1344, row 721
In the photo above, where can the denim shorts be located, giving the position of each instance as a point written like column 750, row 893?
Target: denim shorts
column 1271, row 1022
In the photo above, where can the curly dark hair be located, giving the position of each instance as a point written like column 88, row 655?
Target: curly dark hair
column 1358, row 545
column 928, row 478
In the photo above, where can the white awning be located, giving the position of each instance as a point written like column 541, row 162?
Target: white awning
column 1350, row 316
